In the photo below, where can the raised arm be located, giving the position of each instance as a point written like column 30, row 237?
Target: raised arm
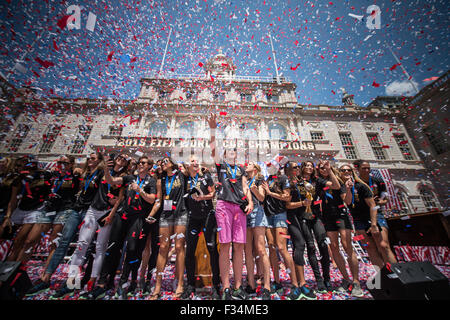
column 108, row 178
column 212, row 126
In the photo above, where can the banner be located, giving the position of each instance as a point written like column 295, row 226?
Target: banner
column 393, row 203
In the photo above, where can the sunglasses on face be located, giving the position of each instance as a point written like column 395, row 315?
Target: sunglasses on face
column 143, row 162
column 346, row 170
column 122, row 158
column 165, row 161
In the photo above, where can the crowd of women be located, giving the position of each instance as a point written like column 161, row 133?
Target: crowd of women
column 125, row 215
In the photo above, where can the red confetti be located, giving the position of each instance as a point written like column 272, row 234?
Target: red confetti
column 63, row 22
column 110, row 56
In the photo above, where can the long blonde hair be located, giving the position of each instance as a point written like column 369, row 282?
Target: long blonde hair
column 258, row 175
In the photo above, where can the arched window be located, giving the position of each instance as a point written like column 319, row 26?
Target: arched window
column 187, row 129
column 277, row 131
column 403, row 199
column 158, row 128
column 428, row 198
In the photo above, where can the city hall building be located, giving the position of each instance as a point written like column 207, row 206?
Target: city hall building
column 259, row 116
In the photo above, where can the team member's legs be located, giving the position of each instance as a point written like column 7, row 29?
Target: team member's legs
column 270, row 235
column 211, row 244
column 180, row 240
column 299, row 245
column 369, row 244
column 383, row 246
column 224, row 225
column 195, row 226
column 249, row 260
column 336, row 252
column 311, row 249
column 55, row 238
column 68, row 234
column 165, row 242
column 260, row 245
column 352, row 259
column 33, row 238
column 113, row 252
column 19, row 241
column 320, row 235
column 287, row 258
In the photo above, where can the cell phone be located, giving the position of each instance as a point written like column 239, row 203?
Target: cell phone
column 100, row 221
column 112, row 156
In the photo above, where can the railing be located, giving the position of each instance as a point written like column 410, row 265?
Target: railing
column 217, row 77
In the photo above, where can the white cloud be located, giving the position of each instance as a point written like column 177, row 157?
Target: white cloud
column 401, row 88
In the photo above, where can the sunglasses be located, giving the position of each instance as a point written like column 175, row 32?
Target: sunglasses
column 165, row 161
column 122, row 158
column 143, row 162
column 345, row 170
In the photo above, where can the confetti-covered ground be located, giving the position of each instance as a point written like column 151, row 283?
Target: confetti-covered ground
column 169, row 284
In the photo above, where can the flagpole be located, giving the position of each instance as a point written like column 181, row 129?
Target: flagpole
column 274, row 58
column 403, row 68
column 165, row 51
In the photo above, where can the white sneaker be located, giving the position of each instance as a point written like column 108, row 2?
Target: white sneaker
column 356, row 290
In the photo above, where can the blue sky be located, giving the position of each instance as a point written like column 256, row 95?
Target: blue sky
column 327, row 48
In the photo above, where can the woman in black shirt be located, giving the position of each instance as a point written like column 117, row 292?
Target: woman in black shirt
column 35, row 188
column 10, row 183
column 336, row 218
column 277, row 191
column 58, row 206
column 201, row 219
column 359, row 198
column 312, row 226
column 172, row 223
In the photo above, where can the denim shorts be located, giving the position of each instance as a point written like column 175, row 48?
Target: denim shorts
column 257, row 218
column 381, row 220
column 278, row 220
column 169, row 219
column 23, row 217
column 54, row 217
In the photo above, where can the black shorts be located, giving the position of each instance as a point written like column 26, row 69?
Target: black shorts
column 335, row 223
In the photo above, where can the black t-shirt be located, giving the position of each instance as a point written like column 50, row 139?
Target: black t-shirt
column 35, row 189
column 133, row 203
column 255, row 182
column 332, row 203
column 106, row 192
column 175, row 186
column 89, row 186
column 300, row 191
column 199, row 209
column 7, row 182
column 64, row 190
column 359, row 209
column 230, row 179
column 377, row 186
column 274, row 206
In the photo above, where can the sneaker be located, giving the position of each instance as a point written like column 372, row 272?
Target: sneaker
column 329, row 286
column 265, row 294
column 250, row 291
column 132, row 288
column 239, row 294
column 215, row 293
column 187, row 292
column 307, row 293
column 147, row 288
column 321, row 287
column 84, row 295
column 41, row 287
column 276, row 287
column 344, row 287
column 356, row 290
column 121, row 292
column 295, row 294
column 97, row 293
column 62, row 293
column 226, row 294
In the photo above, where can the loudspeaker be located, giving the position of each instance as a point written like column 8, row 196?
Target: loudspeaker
column 409, row 281
column 14, row 281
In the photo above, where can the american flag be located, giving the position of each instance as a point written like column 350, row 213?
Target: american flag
column 393, row 203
